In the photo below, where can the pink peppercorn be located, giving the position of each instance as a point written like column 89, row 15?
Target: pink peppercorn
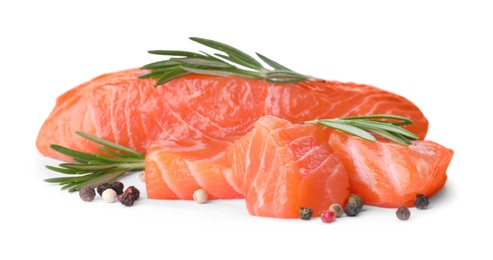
column 328, row 216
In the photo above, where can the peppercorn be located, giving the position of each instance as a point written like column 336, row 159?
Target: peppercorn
column 128, row 199
column 306, row 213
column 351, row 209
column 403, row 213
column 133, row 191
column 109, row 195
column 421, row 201
column 87, row 193
column 142, row 176
column 200, row 196
column 356, row 199
column 118, row 187
column 101, row 188
column 328, row 216
column 337, row 209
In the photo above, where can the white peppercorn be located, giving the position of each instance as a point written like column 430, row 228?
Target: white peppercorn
column 200, row 196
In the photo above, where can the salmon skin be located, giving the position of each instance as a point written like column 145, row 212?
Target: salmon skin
column 390, row 175
column 129, row 111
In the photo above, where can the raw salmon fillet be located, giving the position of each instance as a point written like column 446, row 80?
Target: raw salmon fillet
column 121, row 108
column 280, row 167
column 388, row 174
column 176, row 169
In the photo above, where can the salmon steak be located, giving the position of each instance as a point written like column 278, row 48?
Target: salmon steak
column 390, row 175
column 280, row 167
column 121, row 108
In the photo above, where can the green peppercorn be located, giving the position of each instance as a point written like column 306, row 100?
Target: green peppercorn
column 306, row 213
column 337, row 209
column 403, row 213
column 421, row 201
column 356, row 199
column 87, row 193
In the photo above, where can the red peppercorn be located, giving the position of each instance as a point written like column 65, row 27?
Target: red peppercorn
column 328, row 216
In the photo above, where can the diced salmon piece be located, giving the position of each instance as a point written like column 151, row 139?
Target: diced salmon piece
column 280, row 167
column 390, row 175
column 176, row 169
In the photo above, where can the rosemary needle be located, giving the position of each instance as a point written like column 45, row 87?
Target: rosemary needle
column 95, row 169
column 230, row 62
column 386, row 126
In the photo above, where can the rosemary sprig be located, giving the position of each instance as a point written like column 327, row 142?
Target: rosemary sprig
column 387, row 126
column 219, row 64
column 95, row 169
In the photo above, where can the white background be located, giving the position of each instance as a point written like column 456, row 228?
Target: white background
column 436, row 53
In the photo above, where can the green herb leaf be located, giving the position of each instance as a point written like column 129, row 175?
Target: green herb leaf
column 346, row 128
column 187, row 54
column 171, row 75
column 112, row 145
column 386, row 126
column 235, row 55
column 162, row 64
column 395, row 120
column 392, row 137
column 220, row 72
column 95, row 169
column 79, row 156
column 272, row 63
column 202, row 63
column 220, row 64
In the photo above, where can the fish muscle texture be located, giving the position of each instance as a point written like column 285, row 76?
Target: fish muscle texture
column 280, row 167
column 176, row 169
column 132, row 112
column 389, row 174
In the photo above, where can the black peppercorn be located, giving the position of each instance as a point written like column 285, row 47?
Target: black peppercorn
column 134, row 191
column 351, row 209
column 421, row 201
column 403, row 213
column 117, row 186
column 356, row 199
column 127, row 199
column 101, row 188
column 87, row 193
column 306, row 213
